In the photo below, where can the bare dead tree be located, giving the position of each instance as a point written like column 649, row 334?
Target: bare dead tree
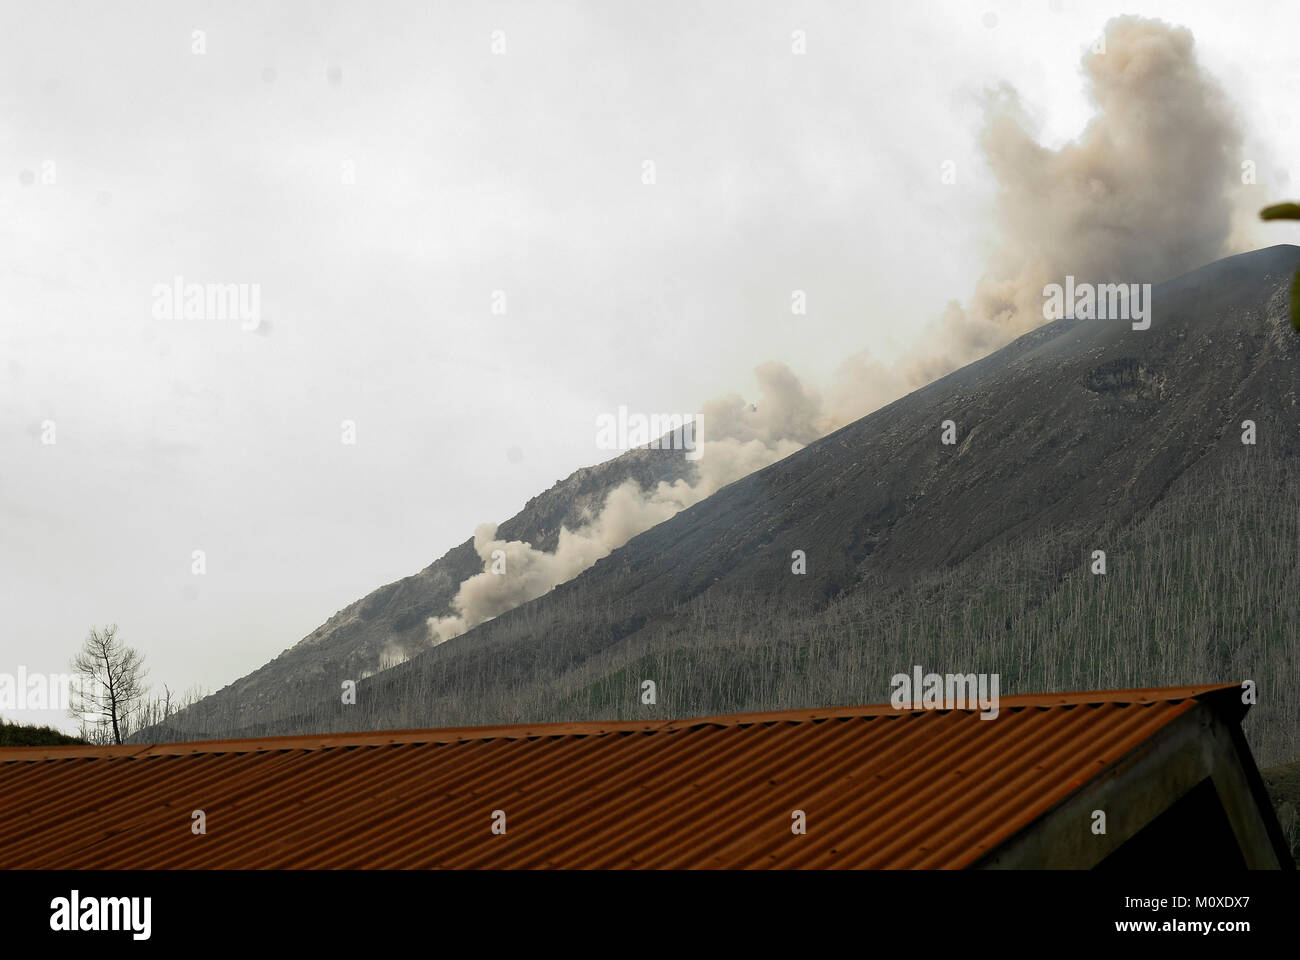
column 112, row 681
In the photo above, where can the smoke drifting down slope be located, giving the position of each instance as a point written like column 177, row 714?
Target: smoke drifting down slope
column 1141, row 196
column 738, row 439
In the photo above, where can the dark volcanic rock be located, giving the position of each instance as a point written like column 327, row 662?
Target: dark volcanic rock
column 1077, row 419
column 1078, row 424
column 365, row 636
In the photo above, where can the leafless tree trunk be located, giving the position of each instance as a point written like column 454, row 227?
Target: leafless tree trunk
column 112, row 681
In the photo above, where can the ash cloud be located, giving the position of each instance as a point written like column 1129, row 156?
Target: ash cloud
column 1141, row 196
column 739, row 438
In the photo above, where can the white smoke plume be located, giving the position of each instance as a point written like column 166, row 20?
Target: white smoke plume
column 739, row 438
column 1144, row 194
column 1141, row 196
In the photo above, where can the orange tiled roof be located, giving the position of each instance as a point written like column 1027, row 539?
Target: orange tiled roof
column 880, row 788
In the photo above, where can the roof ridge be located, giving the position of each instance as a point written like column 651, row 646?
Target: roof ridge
column 586, row 728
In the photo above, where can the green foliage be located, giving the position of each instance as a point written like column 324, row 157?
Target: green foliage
column 1281, row 211
column 1287, row 211
column 30, row 735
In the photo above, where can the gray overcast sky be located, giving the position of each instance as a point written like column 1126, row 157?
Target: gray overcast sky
column 474, row 172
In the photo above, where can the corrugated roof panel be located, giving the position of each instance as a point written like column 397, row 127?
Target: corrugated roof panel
column 880, row 787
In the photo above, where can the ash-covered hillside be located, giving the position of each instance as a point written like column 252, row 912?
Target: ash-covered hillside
column 390, row 623
column 1082, row 435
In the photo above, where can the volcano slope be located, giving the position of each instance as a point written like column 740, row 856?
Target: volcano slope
column 974, row 556
column 387, row 624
